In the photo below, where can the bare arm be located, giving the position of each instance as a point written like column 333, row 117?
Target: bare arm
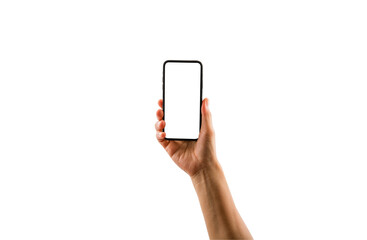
column 198, row 159
column 221, row 216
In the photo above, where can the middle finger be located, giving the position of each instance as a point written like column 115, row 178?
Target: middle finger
column 159, row 114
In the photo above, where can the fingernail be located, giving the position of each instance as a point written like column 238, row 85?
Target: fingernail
column 207, row 103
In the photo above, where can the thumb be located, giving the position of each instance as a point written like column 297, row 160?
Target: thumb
column 206, row 118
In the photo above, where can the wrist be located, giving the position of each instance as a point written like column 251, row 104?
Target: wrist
column 209, row 172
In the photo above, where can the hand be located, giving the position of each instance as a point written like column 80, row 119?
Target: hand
column 190, row 156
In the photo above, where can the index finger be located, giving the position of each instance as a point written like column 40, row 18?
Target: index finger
column 160, row 103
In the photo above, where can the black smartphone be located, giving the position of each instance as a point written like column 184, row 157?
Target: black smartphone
column 182, row 98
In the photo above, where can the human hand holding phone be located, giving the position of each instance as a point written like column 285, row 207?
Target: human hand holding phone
column 190, row 156
column 199, row 160
column 189, row 140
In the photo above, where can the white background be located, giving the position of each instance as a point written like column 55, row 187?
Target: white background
column 79, row 84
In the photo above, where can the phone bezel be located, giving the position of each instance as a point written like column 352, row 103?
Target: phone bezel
column 201, row 94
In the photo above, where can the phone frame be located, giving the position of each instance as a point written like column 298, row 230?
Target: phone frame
column 201, row 93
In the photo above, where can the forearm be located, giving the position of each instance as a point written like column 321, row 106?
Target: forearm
column 221, row 216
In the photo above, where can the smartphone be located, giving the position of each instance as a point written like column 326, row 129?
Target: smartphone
column 182, row 99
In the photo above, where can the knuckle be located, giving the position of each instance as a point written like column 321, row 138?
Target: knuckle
column 210, row 132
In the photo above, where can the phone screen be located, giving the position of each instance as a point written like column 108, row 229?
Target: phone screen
column 182, row 96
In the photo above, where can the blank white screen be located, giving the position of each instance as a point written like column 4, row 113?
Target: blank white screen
column 182, row 100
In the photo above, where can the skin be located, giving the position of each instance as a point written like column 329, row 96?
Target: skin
column 199, row 160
